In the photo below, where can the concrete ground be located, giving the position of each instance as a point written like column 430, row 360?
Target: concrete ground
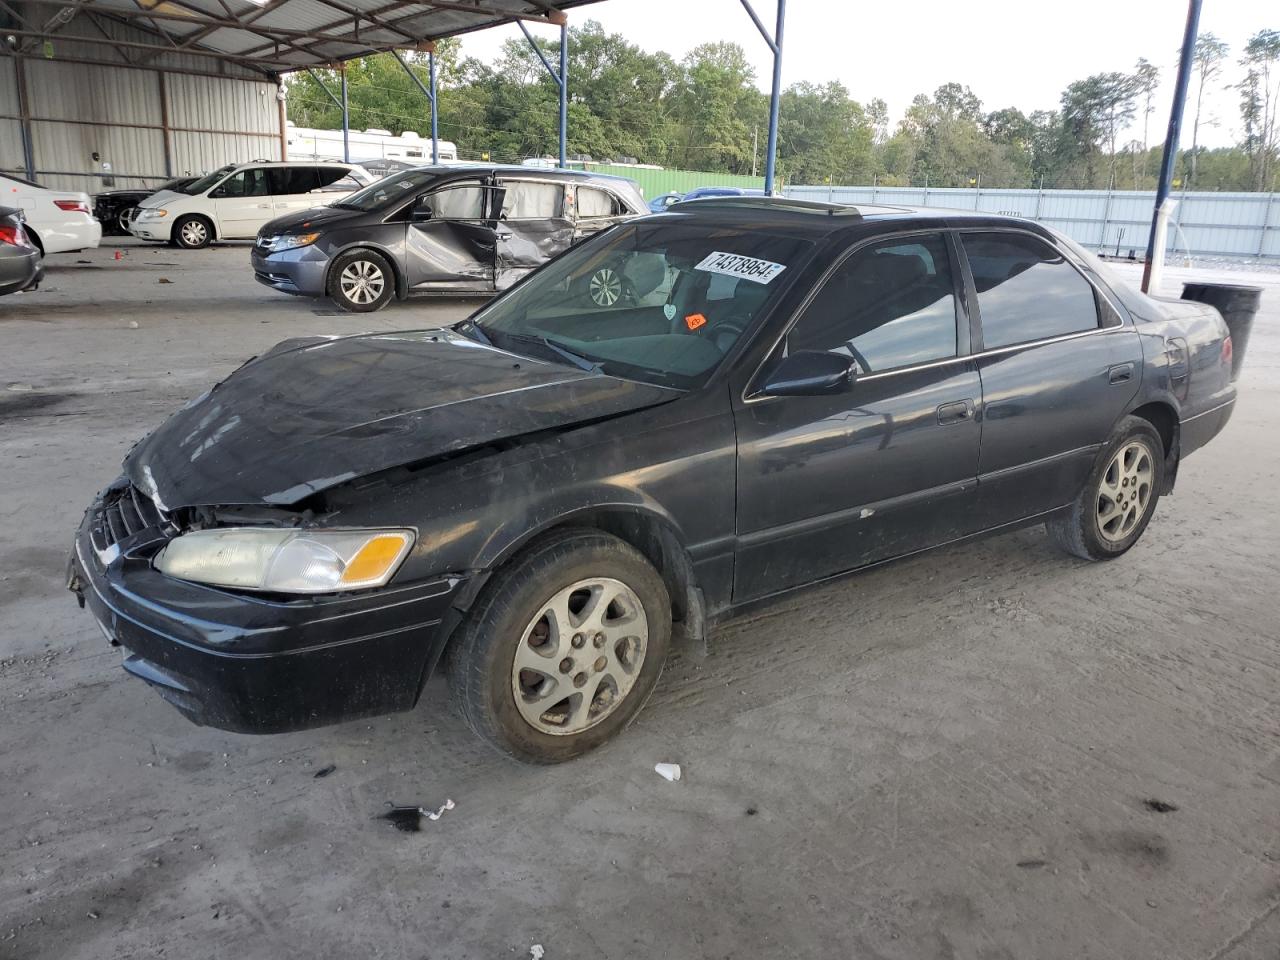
column 990, row 751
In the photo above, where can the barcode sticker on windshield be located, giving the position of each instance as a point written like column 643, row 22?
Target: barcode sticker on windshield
column 736, row 265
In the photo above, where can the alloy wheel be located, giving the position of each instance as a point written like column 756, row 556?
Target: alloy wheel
column 362, row 282
column 605, row 287
column 579, row 656
column 1124, row 494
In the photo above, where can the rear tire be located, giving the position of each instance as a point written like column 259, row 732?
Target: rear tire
column 1119, row 498
column 562, row 648
column 361, row 281
column 192, row 233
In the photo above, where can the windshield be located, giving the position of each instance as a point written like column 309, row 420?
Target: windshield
column 207, row 181
column 388, row 190
column 658, row 302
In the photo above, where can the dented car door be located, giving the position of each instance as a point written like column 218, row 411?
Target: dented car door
column 533, row 226
column 450, row 240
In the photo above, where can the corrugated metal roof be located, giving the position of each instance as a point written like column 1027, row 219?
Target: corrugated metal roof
column 275, row 36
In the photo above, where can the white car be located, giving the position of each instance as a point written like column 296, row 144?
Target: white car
column 233, row 202
column 58, row 221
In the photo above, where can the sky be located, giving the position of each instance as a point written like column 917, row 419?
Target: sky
column 1019, row 53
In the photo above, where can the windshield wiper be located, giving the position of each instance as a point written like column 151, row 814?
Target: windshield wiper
column 579, row 361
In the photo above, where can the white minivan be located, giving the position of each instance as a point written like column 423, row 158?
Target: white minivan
column 233, row 202
column 58, row 221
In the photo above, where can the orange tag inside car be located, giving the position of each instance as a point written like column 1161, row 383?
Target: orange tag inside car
column 695, row 320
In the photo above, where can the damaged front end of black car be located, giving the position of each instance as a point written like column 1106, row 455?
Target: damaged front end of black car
column 267, row 560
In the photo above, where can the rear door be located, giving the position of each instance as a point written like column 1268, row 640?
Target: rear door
column 832, row 482
column 451, row 236
column 292, row 188
column 533, row 226
column 242, row 203
column 1059, row 366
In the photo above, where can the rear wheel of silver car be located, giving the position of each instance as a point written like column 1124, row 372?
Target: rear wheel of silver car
column 361, row 281
column 192, row 233
column 604, row 287
column 1118, row 499
column 563, row 647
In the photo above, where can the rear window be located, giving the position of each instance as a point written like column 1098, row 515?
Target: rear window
column 530, row 200
column 290, row 180
column 597, row 203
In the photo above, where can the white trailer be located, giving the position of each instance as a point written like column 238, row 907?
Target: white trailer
column 309, row 143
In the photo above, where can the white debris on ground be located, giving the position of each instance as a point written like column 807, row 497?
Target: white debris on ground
column 671, row 771
column 536, row 952
column 448, row 805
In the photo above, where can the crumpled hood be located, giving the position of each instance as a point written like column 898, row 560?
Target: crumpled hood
column 303, row 219
column 316, row 413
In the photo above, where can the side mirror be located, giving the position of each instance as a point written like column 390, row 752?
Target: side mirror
column 421, row 210
column 809, row 373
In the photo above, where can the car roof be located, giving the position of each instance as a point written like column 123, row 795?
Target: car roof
column 539, row 173
column 818, row 219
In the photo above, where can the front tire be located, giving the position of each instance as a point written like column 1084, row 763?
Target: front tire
column 1118, row 499
column 361, row 281
column 193, row 233
column 562, row 648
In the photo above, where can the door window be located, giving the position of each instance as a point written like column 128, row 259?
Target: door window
column 1026, row 290
column 292, row 180
column 246, row 183
column 465, row 202
column 596, row 203
column 529, row 200
column 889, row 305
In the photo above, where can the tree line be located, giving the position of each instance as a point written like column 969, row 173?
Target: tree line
column 704, row 112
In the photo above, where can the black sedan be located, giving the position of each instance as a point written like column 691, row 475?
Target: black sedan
column 114, row 208
column 21, row 262
column 538, row 495
column 463, row 230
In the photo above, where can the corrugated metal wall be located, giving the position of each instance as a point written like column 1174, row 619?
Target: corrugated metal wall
column 78, row 108
column 1235, row 225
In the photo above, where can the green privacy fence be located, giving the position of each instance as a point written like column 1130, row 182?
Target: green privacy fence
column 654, row 183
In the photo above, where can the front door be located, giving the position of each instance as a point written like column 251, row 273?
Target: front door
column 1058, row 366
column 532, row 227
column 832, row 482
column 450, row 240
column 242, row 203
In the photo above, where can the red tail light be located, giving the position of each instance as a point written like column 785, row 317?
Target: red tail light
column 1227, row 351
column 76, row 206
column 15, row 236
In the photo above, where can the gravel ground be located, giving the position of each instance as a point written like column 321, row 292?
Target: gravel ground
column 989, row 751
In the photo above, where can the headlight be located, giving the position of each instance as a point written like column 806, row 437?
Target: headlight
column 286, row 561
column 289, row 241
column 149, row 213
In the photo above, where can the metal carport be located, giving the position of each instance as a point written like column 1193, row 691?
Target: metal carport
column 141, row 90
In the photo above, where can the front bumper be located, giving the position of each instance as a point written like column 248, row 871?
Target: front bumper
column 253, row 664
column 150, row 229
column 300, row 271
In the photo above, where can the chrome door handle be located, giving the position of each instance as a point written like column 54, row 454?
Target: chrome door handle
column 956, row 412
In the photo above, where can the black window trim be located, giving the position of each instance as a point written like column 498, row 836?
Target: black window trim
column 967, row 293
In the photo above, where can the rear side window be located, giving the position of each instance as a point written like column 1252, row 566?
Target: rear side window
column 1026, row 290
column 889, row 305
column 596, row 203
column 527, row 200
column 289, row 180
column 338, row 180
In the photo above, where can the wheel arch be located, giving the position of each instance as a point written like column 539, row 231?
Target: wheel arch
column 401, row 283
column 1163, row 415
column 34, row 237
column 647, row 529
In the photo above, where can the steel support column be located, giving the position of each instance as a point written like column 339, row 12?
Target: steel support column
column 561, row 80
column 24, row 120
column 346, row 118
column 775, row 45
column 1171, row 138
column 428, row 92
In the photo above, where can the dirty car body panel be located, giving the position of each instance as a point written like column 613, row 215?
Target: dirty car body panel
column 480, row 440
